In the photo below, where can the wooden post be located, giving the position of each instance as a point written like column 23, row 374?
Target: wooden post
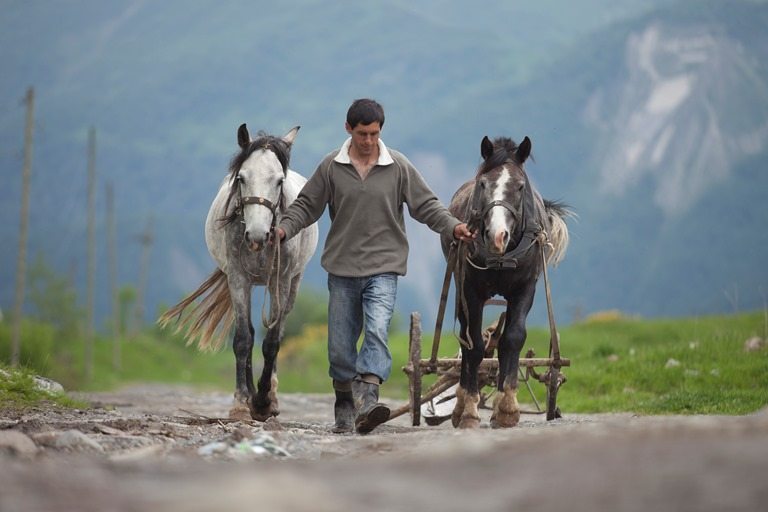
column 414, row 377
column 21, row 261
column 91, row 255
column 112, row 251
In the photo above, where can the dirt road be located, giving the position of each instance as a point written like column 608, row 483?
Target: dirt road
column 161, row 448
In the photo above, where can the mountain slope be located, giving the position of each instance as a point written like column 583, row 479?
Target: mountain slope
column 649, row 120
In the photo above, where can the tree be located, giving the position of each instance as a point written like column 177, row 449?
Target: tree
column 54, row 299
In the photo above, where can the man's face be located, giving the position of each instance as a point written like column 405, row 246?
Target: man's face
column 365, row 138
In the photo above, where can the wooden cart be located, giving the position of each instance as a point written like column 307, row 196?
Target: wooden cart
column 448, row 370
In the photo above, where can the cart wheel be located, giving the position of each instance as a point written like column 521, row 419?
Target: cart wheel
column 414, row 350
column 553, row 412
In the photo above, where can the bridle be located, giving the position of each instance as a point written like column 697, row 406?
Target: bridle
column 524, row 215
column 258, row 200
column 274, row 265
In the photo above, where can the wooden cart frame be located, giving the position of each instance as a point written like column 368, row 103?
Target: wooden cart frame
column 448, row 370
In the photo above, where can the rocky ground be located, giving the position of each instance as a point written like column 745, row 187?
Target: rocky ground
column 168, row 448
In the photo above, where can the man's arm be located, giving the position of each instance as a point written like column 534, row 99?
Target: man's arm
column 425, row 207
column 308, row 206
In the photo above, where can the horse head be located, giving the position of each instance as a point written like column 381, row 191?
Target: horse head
column 499, row 197
column 257, row 174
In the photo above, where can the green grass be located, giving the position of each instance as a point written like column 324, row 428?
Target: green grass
column 18, row 393
column 618, row 364
column 715, row 374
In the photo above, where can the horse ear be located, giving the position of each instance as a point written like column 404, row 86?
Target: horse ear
column 243, row 137
column 486, row 148
column 523, row 150
column 291, row 135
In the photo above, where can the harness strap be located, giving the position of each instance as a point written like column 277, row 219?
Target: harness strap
column 263, row 201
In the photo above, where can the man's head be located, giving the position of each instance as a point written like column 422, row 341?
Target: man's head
column 364, row 121
column 365, row 111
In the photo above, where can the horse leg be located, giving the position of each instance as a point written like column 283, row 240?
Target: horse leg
column 265, row 403
column 240, row 292
column 465, row 413
column 506, row 410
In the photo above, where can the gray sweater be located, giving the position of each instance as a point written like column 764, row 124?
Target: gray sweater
column 367, row 234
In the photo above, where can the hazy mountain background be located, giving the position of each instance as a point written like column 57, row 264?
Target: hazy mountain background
column 649, row 117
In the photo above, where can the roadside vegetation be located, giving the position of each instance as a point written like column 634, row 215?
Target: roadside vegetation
column 696, row 365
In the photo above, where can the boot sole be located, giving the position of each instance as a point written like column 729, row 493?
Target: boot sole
column 375, row 417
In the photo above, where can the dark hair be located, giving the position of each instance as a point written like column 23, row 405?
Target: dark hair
column 365, row 111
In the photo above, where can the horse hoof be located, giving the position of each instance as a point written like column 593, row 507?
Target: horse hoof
column 240, row 412
column 469, row 422
column 264, row 412
column 505, row 420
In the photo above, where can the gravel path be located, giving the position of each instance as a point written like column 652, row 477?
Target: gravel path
column 155, row 447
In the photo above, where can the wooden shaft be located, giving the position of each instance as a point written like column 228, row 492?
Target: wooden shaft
column 443, row 383
column 490, row 363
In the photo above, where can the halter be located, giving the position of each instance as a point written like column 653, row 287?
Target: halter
column 274, row 266
column 258, row 200
column 524, row 215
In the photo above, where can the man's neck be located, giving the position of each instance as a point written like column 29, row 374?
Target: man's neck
column 363, row 164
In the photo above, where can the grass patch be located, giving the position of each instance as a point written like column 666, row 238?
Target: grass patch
column 619, row 364
column 19, row 393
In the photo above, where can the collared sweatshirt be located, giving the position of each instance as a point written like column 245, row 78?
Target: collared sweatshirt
column 367, row 233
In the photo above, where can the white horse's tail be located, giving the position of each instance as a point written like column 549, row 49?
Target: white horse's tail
column 557, row 212
column 209, row 322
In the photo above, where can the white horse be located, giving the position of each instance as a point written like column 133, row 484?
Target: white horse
column 238, row 231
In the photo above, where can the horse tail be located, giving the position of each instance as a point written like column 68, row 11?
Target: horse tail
column 557, row 213
column 208, row 322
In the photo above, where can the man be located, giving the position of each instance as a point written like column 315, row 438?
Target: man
column 365, row 185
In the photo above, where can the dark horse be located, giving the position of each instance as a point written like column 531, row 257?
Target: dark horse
column 513, row 224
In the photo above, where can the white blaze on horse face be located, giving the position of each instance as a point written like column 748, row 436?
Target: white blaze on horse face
column 497, row 225
column 261, row 176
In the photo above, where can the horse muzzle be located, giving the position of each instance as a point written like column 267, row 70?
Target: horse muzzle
column 496, row 243
column 255, row 244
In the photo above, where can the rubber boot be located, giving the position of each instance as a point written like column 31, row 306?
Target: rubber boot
column 343, row 408
column 370, row 413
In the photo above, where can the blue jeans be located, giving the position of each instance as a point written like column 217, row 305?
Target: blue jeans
column 354, row 304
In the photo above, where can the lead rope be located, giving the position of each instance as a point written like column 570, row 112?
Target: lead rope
column 276, row 295
column 274, row 303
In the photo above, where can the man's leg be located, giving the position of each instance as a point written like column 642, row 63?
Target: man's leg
column 345, row 320
column 374, row 363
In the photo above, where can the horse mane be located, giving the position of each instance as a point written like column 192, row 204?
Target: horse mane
column 277, row 145
column 263, row 140
column 503, row 151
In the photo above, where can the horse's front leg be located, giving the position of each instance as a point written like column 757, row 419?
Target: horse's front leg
column 242, row 345
column 465, row 413
column 264, row 403
column 506, row 410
